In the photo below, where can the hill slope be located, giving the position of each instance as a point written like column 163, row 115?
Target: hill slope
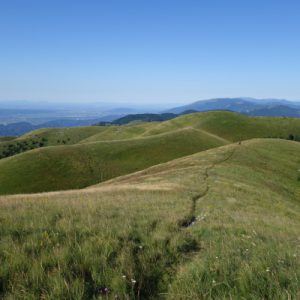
column 87, row 155
column 46, row 137
column 219, row 224
column 232, row 126
column 80, row 165
column 228, row 125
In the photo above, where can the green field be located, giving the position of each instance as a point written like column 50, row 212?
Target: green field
column 219, row 224
column 10, row 146
column 80, row 165
column 73, row 158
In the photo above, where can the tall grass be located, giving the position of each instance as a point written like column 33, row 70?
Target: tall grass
column 222, row 224
column 92, row 246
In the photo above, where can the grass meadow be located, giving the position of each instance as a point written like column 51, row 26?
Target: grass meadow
column 220, row 224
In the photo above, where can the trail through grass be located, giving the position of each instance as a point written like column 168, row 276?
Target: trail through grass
column 221, row 224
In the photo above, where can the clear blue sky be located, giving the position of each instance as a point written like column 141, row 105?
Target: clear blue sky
column 158, row 51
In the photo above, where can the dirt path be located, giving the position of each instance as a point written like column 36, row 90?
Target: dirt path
column 191, row 218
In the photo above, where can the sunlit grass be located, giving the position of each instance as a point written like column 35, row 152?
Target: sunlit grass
column 74, row 158
column 126, row 242
column 141, row 237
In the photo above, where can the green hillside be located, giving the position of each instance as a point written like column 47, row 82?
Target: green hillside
column 220, row 224
column 232, row 126
column 70, row 135
column 46, row 137
column 228, row 125
column 83, row 156
column 119, row 132
column 80, row 165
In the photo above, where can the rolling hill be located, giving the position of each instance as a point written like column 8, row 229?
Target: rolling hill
column 219, row 224
column 232, row 126
column 80, row 165
column 73, row 158
column 45, row 137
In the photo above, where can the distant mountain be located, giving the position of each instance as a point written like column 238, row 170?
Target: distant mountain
column 234, row 104
column 241, row 105
column 277, row 111
column 249, row 106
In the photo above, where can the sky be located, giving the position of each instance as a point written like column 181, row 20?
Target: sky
column 148, row 52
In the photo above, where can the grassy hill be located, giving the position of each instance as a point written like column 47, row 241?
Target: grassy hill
column 45, row 137
column 68, row 158
column 80, row 165
column 70, row 135
column 110, row 133
column 227, row 125
column 220, row 224
column 232, row 126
